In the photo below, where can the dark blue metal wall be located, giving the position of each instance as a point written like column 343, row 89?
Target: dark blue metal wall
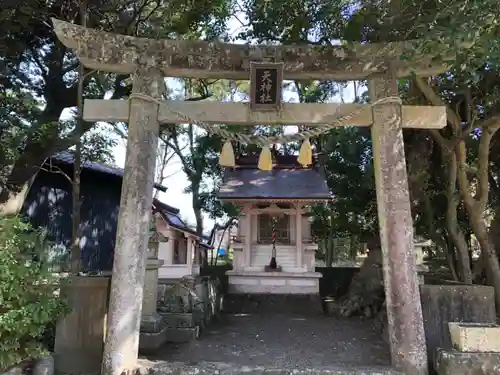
column 48, row 205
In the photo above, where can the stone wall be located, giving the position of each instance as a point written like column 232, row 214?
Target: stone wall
column 188, row 305
column 453, row 303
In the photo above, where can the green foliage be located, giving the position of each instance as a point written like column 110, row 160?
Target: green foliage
column 28, row 302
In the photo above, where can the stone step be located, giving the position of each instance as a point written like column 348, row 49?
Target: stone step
column 208, row 368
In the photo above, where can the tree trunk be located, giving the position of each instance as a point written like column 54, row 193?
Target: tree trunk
column 451, row 259
column 459, row 242
column 494, row 233
column 476, row 205
column 454, row 231
column 489, row 252
column 195, row 188
column 366, row 293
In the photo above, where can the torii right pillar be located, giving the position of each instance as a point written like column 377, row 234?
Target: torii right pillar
column 404, row 309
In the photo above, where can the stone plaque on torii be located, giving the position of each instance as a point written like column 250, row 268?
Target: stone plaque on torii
column 151, row 60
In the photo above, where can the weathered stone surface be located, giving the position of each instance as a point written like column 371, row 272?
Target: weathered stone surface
column 200, row 59
column 153, row 328
column 125, row 307
column 16, row 370
column 452, row 362
column 177, row 296
column 44, row 366
column 475, row 337
column 178, row 320
column 207, row 368
column 187, row 306
column 152, row 340
column 453, row 303
column 404, row 311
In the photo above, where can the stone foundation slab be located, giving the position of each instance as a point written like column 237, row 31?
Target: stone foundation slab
column 258, row 282
column 272, row 304
column 453, row 362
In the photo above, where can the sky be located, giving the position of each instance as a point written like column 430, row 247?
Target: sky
column 177, row 182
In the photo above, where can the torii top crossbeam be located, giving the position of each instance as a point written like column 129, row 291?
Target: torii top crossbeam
column 199, row 59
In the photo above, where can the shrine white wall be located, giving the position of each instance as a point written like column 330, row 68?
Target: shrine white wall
column 248, row 274
column 176, row 268
column 286, row 256
column 261, row 253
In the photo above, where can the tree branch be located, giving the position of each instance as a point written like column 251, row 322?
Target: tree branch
column 434, row 99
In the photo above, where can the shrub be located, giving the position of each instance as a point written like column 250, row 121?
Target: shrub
column 28, row 298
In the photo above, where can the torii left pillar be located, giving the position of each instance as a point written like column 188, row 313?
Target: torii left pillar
column 127, row 284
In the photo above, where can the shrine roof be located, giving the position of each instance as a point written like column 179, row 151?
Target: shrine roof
column 280, row 183
column 172, row 217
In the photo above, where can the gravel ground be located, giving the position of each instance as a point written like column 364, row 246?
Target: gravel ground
column 283, row 341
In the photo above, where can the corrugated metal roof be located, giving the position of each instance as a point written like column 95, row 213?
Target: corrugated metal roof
column 169, row 213
column 67, row 157
column 293, row 183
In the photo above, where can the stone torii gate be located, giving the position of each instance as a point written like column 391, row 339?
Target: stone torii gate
column 149, row 61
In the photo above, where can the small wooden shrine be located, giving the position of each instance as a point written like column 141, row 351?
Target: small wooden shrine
column 178, row 244
column 273, row 251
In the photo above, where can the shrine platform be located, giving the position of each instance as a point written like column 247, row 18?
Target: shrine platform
column 263, row 282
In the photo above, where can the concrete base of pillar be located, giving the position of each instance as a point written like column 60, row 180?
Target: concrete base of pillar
column 153, row 332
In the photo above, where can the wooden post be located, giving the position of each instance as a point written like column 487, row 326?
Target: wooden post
column 298, row 236
column 189, row 251
column 404, row 310
column 247, row 250
column 166, row 250
column 127, row 283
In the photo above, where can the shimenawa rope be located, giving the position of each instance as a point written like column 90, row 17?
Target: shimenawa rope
column 265, row 162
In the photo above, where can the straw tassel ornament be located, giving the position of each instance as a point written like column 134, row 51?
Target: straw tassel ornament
column 265, row 159
column 305, row 153
column 227, row 158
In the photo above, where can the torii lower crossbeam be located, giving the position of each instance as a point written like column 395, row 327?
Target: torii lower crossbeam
column 211, row 112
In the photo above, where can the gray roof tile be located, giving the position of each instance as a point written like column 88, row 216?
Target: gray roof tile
column 293, row 183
